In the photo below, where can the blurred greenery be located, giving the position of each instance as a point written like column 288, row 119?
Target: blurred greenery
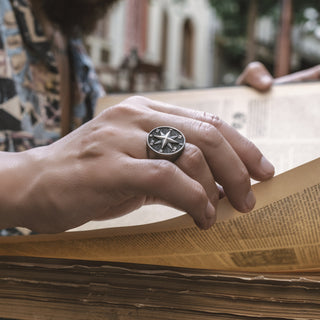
column 234, row 16
column 234, row 12
column 300, row 6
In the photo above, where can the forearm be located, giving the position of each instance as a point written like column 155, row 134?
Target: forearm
column 304, row 75
column 17, row 172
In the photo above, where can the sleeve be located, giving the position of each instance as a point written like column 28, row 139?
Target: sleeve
column 86, row 81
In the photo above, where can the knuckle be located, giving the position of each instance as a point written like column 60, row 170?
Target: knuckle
column 121, row 110
column 199, row 197
column 242, row 178
column 193, row 156
column 136, row 99
column 159, row 171
column 209, row 135
column 212, row 119
column 217, row 122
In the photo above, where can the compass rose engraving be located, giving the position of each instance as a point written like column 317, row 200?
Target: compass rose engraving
column 165, row 143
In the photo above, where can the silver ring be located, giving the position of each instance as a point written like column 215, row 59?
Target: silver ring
column 165, row 143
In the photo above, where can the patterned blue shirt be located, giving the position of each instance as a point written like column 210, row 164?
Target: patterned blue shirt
column 30, row 83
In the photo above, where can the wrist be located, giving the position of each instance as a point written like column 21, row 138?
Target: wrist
column 18, row 173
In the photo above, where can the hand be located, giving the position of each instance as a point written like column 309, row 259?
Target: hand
column 311, row 74
column 101, row 170
column 258, row 77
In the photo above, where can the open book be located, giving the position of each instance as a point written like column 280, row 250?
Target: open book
column 281, row 234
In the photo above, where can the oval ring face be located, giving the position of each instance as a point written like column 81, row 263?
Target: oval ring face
column 165, row 143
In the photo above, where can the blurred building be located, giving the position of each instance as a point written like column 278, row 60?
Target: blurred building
column 146, row 45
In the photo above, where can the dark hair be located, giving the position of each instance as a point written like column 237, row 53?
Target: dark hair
column 76, row 17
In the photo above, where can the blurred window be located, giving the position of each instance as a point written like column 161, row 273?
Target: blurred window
column 164, row 39
column 187, row 49
column 104, row 56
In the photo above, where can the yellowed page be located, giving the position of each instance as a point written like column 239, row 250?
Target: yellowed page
column 280, row 235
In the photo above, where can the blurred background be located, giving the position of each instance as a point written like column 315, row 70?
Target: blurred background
column 148, row 45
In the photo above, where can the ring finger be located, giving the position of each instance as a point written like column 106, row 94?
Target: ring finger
column 224, row 163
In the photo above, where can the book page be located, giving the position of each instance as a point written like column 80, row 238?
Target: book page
column 280, row 234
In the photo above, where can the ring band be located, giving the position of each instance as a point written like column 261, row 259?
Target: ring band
column 165, row 143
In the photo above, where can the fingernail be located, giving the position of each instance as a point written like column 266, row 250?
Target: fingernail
column 266, row 79
column 267, row 167
column 250, row 201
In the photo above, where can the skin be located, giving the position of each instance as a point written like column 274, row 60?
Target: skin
column 257, row 76
column 101, row 170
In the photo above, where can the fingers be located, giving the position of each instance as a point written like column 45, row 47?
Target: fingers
column 193, row 163
column 257, row 76
column 304, row 75
column 164, row 180
column 257, row 165
column 228, row 156
column 224, row 163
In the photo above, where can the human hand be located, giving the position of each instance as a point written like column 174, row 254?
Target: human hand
column 258, row 77
column 101, row 170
